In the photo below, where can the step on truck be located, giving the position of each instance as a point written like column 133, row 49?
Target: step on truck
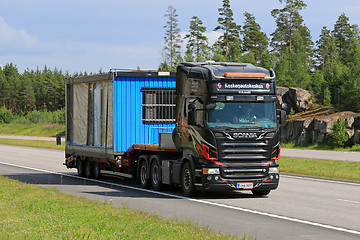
column 209, row 126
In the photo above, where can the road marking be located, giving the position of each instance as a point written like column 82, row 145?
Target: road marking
column 321, row 180
column 195, row 200
column 349, row 201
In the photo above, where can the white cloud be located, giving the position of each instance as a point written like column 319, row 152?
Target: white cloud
column 212, row 38
column 27, row 51
column 12, row 39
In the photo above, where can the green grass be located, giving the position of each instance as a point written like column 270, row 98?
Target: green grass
column 41, row 130
column 32, row 143
column 31, row 212
column 355, row 148
column 321, row 168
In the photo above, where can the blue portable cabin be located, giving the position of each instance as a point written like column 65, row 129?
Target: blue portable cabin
column 108, row 113
column 137, row 121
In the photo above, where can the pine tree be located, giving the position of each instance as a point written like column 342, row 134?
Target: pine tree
column 342, row 33
column 197, row 40
column 172, row 38
column 322, row 48
column 254, row 40
column 229, row 27
column 288, row 22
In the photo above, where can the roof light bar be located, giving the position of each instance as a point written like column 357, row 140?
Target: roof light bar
column 239, row 74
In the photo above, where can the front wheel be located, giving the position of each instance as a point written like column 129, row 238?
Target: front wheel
column 187, row 180
column 260, row 192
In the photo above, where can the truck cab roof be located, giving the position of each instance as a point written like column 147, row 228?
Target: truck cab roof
column 227, row 70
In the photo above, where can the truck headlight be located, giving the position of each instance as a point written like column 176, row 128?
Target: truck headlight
column 274, row 170
column 211, row 171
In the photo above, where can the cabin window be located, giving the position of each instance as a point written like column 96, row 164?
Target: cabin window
column 158, row 105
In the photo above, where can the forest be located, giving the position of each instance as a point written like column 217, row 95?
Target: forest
column 329, row 68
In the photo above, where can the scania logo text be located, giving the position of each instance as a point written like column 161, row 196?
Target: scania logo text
column 233, row 136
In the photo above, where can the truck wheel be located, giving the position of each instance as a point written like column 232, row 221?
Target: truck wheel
column 260, row 192
column 80, row 167
column 88, row 169
column 96, row 170
column 155, row 175
column 143, row 175
column 187, row 180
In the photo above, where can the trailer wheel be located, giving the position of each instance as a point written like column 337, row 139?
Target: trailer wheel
column 96, row 170
column 155, row 174
column 259, row 193
column 143, row 175
column 88, row 169
column 187, row 180
column 80, row 168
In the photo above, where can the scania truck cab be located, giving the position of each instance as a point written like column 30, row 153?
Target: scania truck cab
column 227, row 126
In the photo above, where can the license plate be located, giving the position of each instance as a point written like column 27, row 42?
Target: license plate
column 248, row 185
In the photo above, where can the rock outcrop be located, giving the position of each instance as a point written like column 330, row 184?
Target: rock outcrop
column 315, row 130
column 296, row 98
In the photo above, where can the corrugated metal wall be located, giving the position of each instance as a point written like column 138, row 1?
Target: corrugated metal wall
column 128, row 127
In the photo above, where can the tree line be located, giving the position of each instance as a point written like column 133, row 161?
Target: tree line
column 328, row 68
column 42, row 90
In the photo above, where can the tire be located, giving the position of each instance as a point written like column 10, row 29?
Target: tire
column 88, row 169
column 80, row 168
column 260, row 193
column 155, row 174
column 96, row 170
column 187, row 180
column 143, row 175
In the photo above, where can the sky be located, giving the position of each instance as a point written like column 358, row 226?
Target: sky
column 89, row 35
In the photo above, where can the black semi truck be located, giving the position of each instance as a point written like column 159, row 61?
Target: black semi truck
column 212, row 126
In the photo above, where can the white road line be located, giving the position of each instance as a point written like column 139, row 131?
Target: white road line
column 197, row 200
column 349, row 201
column 321, row 180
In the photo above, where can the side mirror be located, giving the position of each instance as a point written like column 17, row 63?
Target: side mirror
column 192, row 117
column 191, row 106
column 192, row 113
column 283, row 117
column 210, row 106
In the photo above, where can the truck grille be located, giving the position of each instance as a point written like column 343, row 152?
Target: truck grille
column 244, row 158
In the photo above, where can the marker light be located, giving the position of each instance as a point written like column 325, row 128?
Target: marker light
column 238, row 74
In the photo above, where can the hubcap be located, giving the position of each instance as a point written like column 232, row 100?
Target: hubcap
column 187, row 179
column 155, row 174
column 143, row 174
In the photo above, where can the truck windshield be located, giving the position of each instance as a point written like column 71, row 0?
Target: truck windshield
column 243, row 115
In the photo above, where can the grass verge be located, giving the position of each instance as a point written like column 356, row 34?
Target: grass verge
column 32, row 212
column 32, row 143
column 41, row 130
column 321, row 168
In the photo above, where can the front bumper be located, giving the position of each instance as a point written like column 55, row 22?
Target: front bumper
column 216, row 182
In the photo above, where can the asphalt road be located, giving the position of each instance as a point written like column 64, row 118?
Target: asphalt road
column 301, row 208
column 315, row 154
column 325, row 155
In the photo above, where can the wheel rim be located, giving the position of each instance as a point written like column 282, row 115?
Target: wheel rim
column 187, row 178
column 155, row 173
column 143, row 174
